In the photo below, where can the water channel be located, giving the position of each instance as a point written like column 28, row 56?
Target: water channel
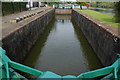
column 63, row 49
column 103, row 10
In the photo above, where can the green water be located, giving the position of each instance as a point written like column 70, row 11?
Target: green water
column 63, row 49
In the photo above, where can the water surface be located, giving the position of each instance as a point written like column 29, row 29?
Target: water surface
column 103, row 10
column 63, row 49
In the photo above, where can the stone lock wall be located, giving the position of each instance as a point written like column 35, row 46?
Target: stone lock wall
column 105, row 44
column 63, row 11
column 19, row 43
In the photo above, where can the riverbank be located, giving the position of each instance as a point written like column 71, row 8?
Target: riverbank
column 108, row 19
column 103, row 10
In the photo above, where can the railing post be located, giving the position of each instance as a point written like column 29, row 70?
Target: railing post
column 53, row 6
column 73, row 6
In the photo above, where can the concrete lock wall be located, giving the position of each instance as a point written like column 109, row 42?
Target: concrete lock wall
column 63, row 11
column 105, row 44
column 19, row 43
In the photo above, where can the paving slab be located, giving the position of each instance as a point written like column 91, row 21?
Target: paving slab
column 8, row 27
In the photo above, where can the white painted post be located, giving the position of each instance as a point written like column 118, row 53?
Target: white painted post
column 39, row 4
column 73, row 6
column 53, row 6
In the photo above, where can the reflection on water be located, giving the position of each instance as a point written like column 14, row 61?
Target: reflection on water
column 63, row 49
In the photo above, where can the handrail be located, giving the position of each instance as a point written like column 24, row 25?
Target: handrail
column 96, row 73
column 8, row 63
column 63, row 5
column 113, row 69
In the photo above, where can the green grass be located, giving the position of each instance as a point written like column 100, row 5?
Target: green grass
column 108, row 19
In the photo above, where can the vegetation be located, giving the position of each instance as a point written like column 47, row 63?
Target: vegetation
column 117, row 12
column 81, row 3
column 103, row 4
column 13, row 7
column 114, row 5
column 54, row 2
column 59, row 2
column 108, row 19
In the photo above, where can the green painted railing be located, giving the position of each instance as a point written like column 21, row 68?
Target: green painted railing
column 7, row 67
column 62, row 5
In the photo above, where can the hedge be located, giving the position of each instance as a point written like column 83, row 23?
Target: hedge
column 13, row 7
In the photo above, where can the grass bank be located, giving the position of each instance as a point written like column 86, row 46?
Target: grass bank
column 108, row 19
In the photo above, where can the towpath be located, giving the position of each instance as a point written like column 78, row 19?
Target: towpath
column 8, row 27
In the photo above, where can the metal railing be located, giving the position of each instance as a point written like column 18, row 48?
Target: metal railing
column 112, row 71
column 63, row 5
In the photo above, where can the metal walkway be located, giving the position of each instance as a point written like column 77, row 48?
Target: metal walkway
column 7, row 71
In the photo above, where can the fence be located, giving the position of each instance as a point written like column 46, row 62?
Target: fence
column 110, row 73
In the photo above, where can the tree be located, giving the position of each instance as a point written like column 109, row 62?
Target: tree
column 117, row 12
column 81, row 4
